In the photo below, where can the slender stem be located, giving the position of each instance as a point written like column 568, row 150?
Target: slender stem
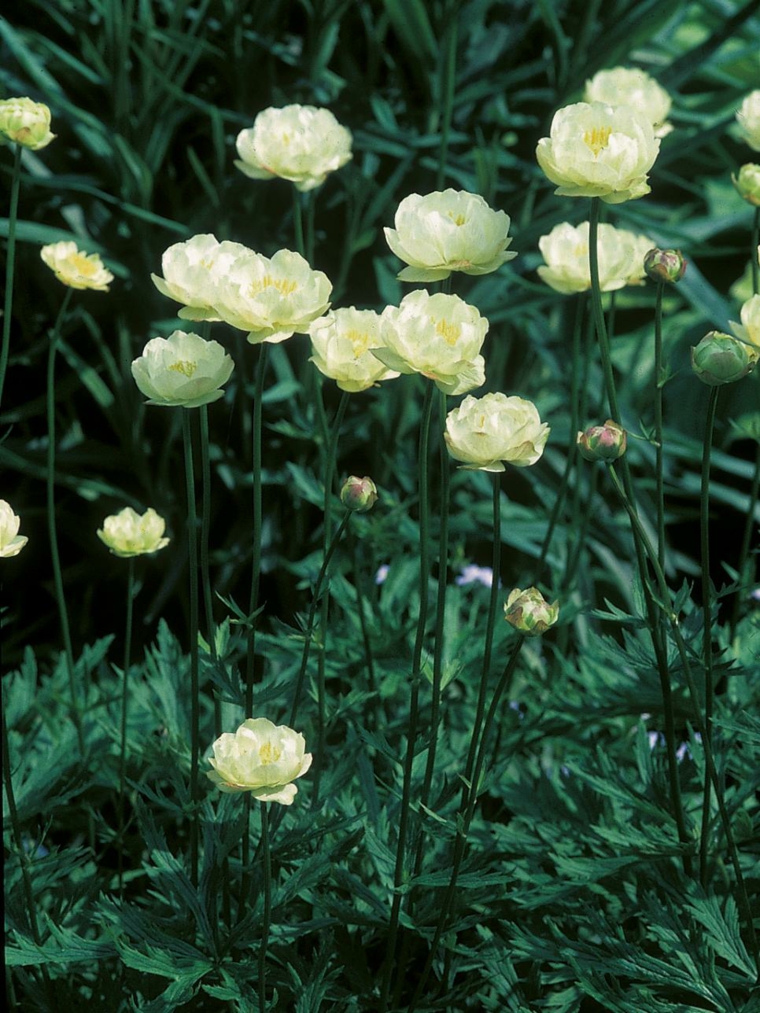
column 755, row 252
column 10, row 261
column 124, row 707
column 310, row 202
column 659, row 380
column 596, row 308
column 298, row 223
column 60, row 597
column 360, row 599
column 192, row 555
column 744, row 557
column 448, row 86
column 264, row 944
column 208, row 606
column 704, row 542
column 253, row 601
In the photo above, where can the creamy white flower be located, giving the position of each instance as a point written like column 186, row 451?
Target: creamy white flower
column 565, row 250
column 439, row 336
column 341, row 342
column 11, row 542
column 748, row 118
column 183, row 370
column 192, row 270
column 75, row 268
column 598, row 150
column 272, row 298
column 128, row 533
column 484, row 432
column 449, row 230
column 299, row 143
column 631, row 86
column 262, row 758
column 25, row 122
column 748, row 330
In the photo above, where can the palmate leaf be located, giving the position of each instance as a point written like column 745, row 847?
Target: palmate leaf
column 63, row 947
column 176, row 994
column 723, row 932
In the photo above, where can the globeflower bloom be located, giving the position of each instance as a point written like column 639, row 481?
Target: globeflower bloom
column 631, row 86
column 566, row 252
column 191, row 271
column 262, row 758
column 183, row 370
column 25, row 122
column 131, row 534
column 720, row 358
column 299, row 143
column 747, row 183
column 529, row 612
column 75, row 268
column 448, row 231
column 341, row 342
column 11, row 542
column 487, row 432
column 272, row 298
column 749, row 328
column 599, row 150
column 439, row 336
column 748, row 118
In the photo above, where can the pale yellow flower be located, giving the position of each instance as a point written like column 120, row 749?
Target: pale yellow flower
column 75, row 268
column 567, row 269
column 183, row 370
column 262, row 758
column 11, row 542
column 272, row 298
column 299, row 143
column 599, row 150
column 748, row 118
column 341, row 341
column 747, row 183
column 25, row 122
column 191, row 271
column 131, row 534
column 631, row 86
column 439, row 336
column 448, row 231
column 749, row 328
column 485, row 432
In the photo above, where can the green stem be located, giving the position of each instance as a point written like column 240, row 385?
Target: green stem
column 658, row 434
column 253, row 600
column 60, row 597
column 448, row 86
column 208, row 606
column 308, row 198
column 264, row 944
column 755, row 253
column 10, row 261
column 124, row 708
column 744, row 557
column 360, row 600
column 298, row 223
column 704, row 542
column 596, row 308
column 192, row 555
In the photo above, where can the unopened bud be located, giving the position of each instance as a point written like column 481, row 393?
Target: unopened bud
column 747, row 183
column 664, row 265
column 719, row 359
column 529, row 612
column 359, row 494
column 603, row 443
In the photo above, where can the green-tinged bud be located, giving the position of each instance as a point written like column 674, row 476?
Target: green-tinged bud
column 529, row 612
column 664, row 265
column 746, row 427
column 719, row 359
column 359, row 494
column 603, row 443
column 747, row 183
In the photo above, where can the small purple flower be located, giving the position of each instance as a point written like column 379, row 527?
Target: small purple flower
column 382, row 574
column 473, row 574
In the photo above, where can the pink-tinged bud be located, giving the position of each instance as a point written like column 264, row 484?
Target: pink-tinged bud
column 359, row 494
column 719, row 359
column 603, row 443
column 747, row 183
column 529, row 612
column 665, row 265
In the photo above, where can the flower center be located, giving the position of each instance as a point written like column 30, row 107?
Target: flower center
column 269, row 753
column 597, row 138
column 184, row 366
column 283, row 287
column 449, row 332
column 83, row 264
column 359, row 341
column 459, row 219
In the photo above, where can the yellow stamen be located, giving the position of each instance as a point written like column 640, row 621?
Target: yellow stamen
column 459, row 219
column 359, row 341
column 269, row 753
column 184, row 366
column 597, row 138
column 449, row 332
column 283, row 287
column 84, row 265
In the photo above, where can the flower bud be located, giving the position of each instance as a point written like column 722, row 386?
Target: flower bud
column 603, row 443
column 747, row 183
column 358, row 494
column 529, row 612
column 719, row 359
column 665, row 265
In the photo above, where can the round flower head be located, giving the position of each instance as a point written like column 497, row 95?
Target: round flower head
column 131, row 534
column 565, row 250
column 262, row 758
column 191, row 270
column 341, row 342
column 720, row 358
column 485, row 432
column 358, row 494
column 599, row 150
column 630, row 86
column 11, row 542
column 749, row 329
column 602, row 443
column 439, row 336
column 25, row 122
column 448, row 231
column 747, row 183
column 182, row 370
column 748, row 118
column 75, row 268
column 272, row 298
column 299, row 143
column 529, row 612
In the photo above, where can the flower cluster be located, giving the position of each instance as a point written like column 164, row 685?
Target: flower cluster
column 75, row 268
column 631, row 86
column 130, row 534
column 25, row 122
column 566, row 256
column 262, row 758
